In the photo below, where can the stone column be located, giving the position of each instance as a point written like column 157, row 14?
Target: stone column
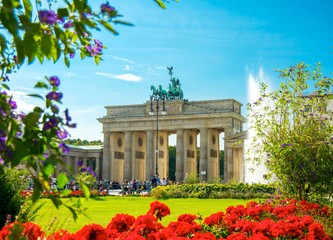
column 97, row 167
column 150, row 156
column 227, row 133
column 230, row 164
column 67, row 163
column 128, row 156
column 75, row 166
column 203, row 171
column 180, row 155
column 106, row 165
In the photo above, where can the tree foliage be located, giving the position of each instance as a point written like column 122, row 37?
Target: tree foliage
column 293, row 131
column 79, row 142
column 45, row 30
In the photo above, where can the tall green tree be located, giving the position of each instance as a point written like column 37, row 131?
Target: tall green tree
column 293, row 131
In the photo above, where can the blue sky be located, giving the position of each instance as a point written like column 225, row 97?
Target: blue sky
column 215, row 47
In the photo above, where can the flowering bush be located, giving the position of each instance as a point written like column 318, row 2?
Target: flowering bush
column 284, row 219
column 218, row 191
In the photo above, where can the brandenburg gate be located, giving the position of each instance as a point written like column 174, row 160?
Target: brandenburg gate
column 136, row 143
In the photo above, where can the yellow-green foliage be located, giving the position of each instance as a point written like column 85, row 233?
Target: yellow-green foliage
column 207, row 190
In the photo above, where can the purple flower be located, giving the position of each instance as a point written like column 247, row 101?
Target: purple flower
column 12, row 104
column 86, row 15
column 64, row 147
column 283, row 145
column 2, row 162
column 54, row 96
column 72, row 54
column 80, row 163
column 62, row 134
column 18, row 134
column 54, row 81
column 48, row 16
column 106, row 8
column 98, row 43
column 68, row 118
column 89, row 170
column 93, row 50
column 68, row 24
column 51, row 123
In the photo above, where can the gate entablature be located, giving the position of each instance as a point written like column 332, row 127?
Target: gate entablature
column 132, row 136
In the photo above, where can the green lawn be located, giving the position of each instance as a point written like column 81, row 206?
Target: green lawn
column 102, row 210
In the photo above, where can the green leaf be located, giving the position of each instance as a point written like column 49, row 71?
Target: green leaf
column 30, row 46
column 56, row 202
column 46, row 45
column 41, row 85
column 123, row 23
column 3, row 43
column 28, row 8
column 62, row 180
column 40, row 58
column 36, row 193
column 62, row 12
column 5, row 86
column 38, row 110
column 67, row 62
column 60, row 35
column 108, row 27
column 20, row 152
column 20, row 49
column 31, row 119
column 66, row 192
column 15, row 3
column 47, row 169
column 161, row 4
column 73, row 212
column 85, row 190
column 97, row 59
column 55, row 51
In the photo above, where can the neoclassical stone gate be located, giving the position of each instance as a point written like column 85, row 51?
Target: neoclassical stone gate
column 130, row 133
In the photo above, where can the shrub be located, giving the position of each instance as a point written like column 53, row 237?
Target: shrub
column 207, row 190
column 10, row 189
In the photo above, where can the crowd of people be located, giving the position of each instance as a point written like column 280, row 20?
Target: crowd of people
column 126, row 187
column 132, row 187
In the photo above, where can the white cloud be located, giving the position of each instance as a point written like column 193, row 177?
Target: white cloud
column 127, row 68
column 86, row 111
column 125, row 77
column 70, row 74
column 124, row 59
column 128, row 77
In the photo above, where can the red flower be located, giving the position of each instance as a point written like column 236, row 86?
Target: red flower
column 93, row 231
column 316, row 231
column 237, row 236
column 158, row 208
column 187, row 218
column 121, row 222
column 214, row 219
column 203, row 236
column 61, row 235
column 146, row 224
column 259, row 236
column 17, row 230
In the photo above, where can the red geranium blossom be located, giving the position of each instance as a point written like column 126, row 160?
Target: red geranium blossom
column 93, row 231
